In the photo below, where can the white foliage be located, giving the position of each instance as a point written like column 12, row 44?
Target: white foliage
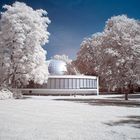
column 63, row 57
column 23, row 32
column 114, row 53
column 5, row 94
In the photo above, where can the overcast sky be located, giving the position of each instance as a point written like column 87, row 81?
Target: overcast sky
column 73, row 20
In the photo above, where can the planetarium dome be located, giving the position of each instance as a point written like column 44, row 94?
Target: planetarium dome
column 57, row 67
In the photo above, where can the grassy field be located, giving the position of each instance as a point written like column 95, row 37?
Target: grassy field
column 56, row 118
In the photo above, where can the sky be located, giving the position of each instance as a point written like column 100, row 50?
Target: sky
column 74, row 20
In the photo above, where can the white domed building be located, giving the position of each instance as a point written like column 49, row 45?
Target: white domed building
column 61, row 84
column 57, row 67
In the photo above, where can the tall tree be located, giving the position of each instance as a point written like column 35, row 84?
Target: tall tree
column 116, row 53
column 122, row 45
column 23, row 32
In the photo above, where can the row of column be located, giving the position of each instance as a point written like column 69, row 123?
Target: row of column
column 71, row 83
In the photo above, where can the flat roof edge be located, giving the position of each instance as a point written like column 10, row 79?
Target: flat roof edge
column 72, row 76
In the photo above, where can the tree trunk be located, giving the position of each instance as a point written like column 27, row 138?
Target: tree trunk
column 126, row 95
column 128, row 91
column 13, row 82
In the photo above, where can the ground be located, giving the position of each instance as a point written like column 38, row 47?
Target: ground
column 47, row 118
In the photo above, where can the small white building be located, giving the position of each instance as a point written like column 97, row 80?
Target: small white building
column 61, row 84
column 73, row 84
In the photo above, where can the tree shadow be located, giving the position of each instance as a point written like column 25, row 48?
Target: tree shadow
column 130, row 96
column 134, row 121
column 25, row 97
column 104, row 102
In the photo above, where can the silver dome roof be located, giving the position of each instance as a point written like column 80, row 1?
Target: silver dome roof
column 57, row 67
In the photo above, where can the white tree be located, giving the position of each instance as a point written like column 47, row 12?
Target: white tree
column 122, row 45
column 23, row 32
column 63, row 57
column 84, row 61
column 115, row 52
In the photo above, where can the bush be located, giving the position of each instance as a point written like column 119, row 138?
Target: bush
column 17, row 94
column 5, row 94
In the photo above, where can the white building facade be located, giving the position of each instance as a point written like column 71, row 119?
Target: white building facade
column 73, row 84
column 61, row 84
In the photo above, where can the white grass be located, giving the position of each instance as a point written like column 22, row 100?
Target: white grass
column 42, row 118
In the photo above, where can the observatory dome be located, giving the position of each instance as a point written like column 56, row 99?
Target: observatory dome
column 57, row 67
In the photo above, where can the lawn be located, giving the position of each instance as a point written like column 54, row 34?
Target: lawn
column 45, row 118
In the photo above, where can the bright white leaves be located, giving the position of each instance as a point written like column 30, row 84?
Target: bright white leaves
column 23, row 32
column 63, row 57
column 114, row 53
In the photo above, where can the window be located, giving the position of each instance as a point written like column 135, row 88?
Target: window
column 52, row 83
column 77, row 83
column 85, row 83
column 62, row 82
column 95, row 83
column 91, row 83
column 88, row 83
column 70, row 83
column 74, row 83
column 57, row 83
column 81, row 83
column 66, row 83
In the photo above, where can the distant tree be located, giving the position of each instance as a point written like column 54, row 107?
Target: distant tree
column 116, row 53
column 63, row 57
column 84, row 61
column 23, row 32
